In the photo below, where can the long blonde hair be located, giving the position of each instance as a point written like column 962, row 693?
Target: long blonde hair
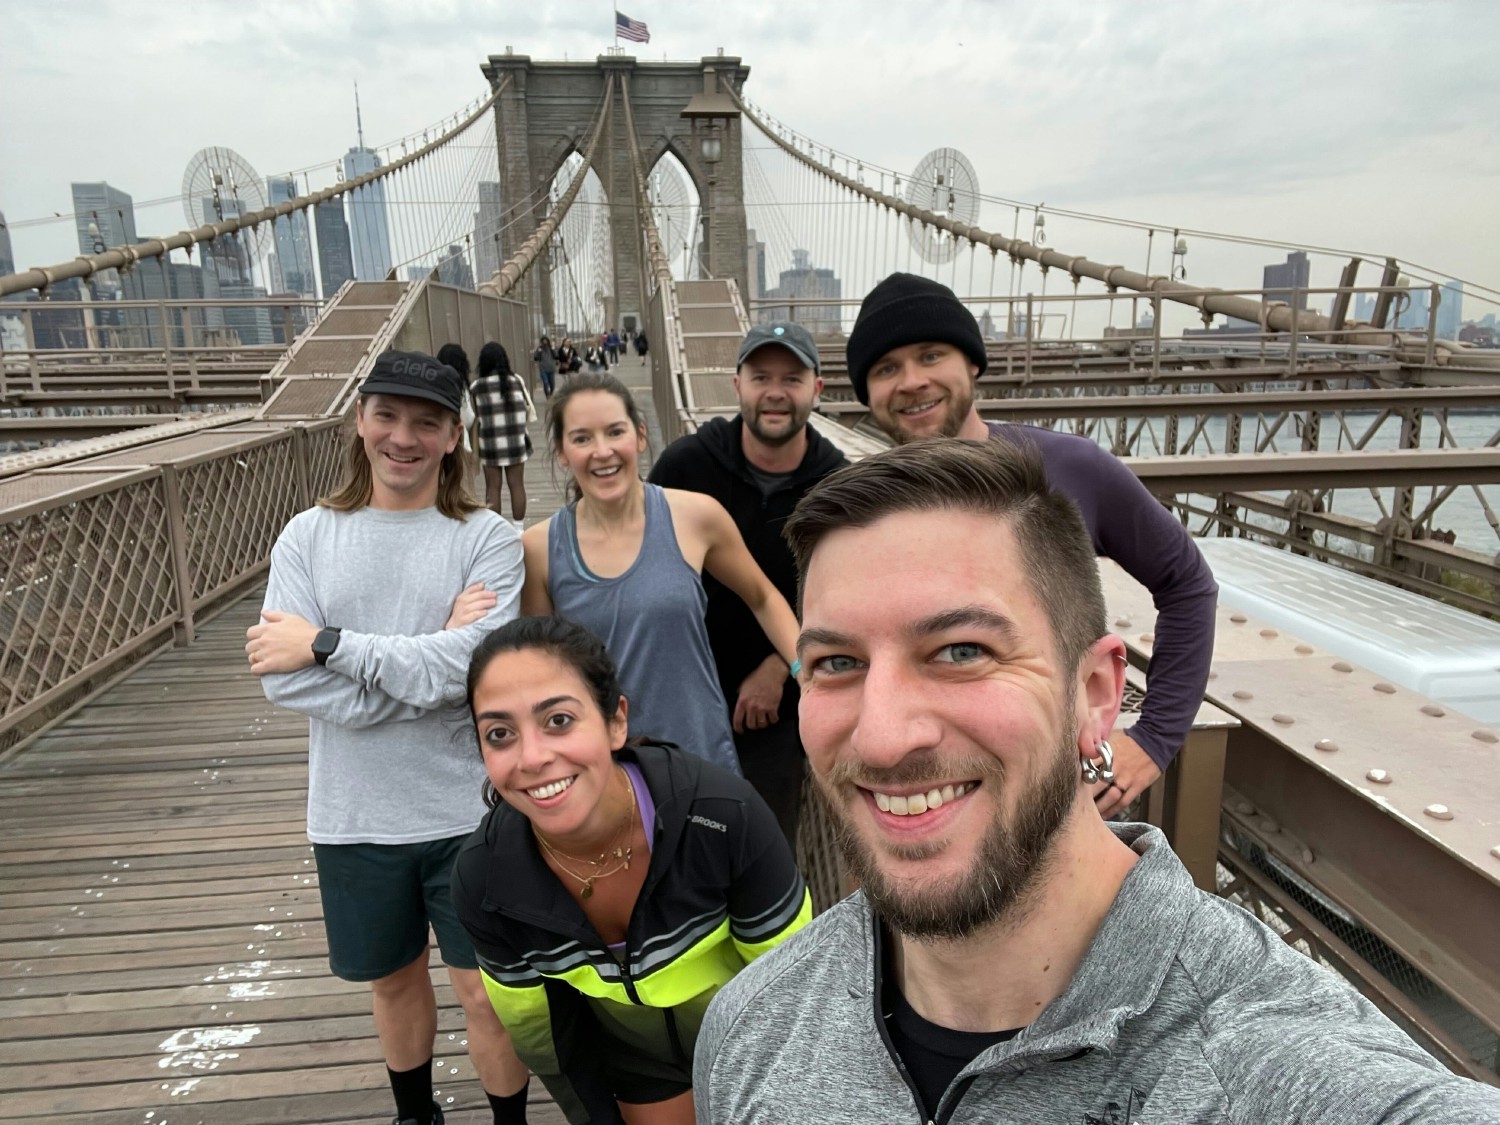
column 354, row 492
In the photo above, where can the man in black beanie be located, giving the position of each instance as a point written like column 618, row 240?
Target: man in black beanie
column 914, row 355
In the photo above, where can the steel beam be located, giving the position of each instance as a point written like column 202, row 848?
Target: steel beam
column 1244, row 472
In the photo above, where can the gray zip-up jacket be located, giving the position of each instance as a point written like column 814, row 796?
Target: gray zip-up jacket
column 1185, row 1009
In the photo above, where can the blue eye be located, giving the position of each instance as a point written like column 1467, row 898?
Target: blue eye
column 835, row 665
column 960, row 652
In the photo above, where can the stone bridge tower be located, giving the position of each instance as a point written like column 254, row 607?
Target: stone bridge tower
column 546, row 113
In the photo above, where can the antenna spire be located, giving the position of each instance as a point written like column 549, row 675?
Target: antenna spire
column 359, row 122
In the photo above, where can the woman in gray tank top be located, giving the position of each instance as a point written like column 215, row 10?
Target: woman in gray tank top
column 624, row 560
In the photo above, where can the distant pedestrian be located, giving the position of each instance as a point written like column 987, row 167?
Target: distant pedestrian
column 567, row 358
column 504, row 445
column 612, row 347
column 546, row 364
column 458, row 359
column 640, row 345
column 594, row 357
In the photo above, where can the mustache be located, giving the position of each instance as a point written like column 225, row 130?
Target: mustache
column 922, row 769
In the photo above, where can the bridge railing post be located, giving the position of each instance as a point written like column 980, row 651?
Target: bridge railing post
column 182, row 578
column 302, row 465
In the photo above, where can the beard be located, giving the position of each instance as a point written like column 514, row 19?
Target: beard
column 1011, row 859
column 795, row 425
column 959, row 404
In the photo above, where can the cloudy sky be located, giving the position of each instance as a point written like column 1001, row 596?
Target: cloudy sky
column 1365, row 125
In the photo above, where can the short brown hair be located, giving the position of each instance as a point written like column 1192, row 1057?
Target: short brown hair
column 999, row 478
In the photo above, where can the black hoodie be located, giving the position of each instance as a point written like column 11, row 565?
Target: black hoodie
column 712, row 461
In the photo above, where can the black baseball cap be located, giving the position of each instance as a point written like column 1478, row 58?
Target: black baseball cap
column 414, row 375
column 790, row 335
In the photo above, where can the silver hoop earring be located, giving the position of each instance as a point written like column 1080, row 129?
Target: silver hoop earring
column 1101, row 768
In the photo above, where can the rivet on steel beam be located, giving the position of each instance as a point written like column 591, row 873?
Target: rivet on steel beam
column 1306, row 854
column 1243, row 694
column 1439, row 812
column 1485, row 735
column 1243, row 807
column 1385, row 688
column 1122, row 623
column 1213, row 675
column 1326, row 744
column 1305, row 650
column 1495, row 851
column 1268, row 633
column 1269, row 826
column 1342, row 666
column 1434, row 710
column 1238, row 618
column 1282, row 718
column 1147, row 638
column 1379, row 777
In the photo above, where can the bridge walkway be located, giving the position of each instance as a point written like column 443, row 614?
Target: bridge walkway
column 162, row 956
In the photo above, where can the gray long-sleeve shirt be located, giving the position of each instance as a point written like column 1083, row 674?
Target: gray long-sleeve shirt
column 1184, row 1009
column 392, row 757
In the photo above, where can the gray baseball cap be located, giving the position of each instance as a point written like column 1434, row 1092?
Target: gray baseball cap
column 790, row 335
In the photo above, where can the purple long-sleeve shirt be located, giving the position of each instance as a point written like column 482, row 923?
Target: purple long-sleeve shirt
column 1130, row 526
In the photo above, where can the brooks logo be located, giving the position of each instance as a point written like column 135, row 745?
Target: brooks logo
column 703, row 820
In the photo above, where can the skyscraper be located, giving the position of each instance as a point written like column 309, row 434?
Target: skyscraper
column 370, row 232
column 293, row 243
column 453, row 268
column 1280, row 280
column 1450, row 311
column 487, row 222
column 335, row 259
column 7, row 255
column 803, row 281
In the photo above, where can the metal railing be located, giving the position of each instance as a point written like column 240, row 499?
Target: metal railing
column 102, row 564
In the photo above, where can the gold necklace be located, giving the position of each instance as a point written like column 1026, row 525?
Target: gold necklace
column 621, row 854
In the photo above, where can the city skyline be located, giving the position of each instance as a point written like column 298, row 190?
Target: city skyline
column 1214, row 134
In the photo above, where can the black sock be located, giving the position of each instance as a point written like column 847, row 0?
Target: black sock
column 413, row 1090
column 509, row 1110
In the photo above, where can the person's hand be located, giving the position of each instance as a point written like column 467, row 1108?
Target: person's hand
column 1135, row 772
column 470, row 606
column 282, row 642
column 759, row 702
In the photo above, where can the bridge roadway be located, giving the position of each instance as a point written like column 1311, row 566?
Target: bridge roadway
column 162, row 957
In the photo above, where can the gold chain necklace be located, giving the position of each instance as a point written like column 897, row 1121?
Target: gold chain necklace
column 622, row 854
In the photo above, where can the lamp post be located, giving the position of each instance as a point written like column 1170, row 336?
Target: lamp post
column 710, row 115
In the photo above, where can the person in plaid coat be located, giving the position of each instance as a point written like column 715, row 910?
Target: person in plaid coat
column 501, row 406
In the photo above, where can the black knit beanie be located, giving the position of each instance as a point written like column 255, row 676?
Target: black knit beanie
column 907, row 309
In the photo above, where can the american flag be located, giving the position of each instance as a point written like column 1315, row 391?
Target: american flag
column 627, row 28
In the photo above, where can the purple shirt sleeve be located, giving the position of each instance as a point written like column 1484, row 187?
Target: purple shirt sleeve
column 1132, row 527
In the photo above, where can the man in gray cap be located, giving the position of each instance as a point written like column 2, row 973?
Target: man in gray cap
column 758, row 465
column 377, row 597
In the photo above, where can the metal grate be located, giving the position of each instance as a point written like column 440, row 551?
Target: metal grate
column 711, row 351
column 352, row 322
column 234, row 508
column 327, row 357
column 39, row 486
column 724, row 319
column 374, row 293
column 818, row 854
column 304, row 397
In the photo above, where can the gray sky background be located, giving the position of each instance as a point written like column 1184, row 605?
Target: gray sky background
column 1360, row 125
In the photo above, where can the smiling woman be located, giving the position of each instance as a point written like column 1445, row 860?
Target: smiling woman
column 625, row 559
column 615, row 887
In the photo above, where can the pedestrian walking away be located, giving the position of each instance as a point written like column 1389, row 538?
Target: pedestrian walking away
column 503, row 408
column 641, row 345
column 624, row 559
column 758, row 466
column 602, row 968
column 546, row 365
column 375, row 601
column 612, row 347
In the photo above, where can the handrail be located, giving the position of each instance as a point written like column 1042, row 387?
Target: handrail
column 125, row 257
column 1279, row 316
column 519, row 263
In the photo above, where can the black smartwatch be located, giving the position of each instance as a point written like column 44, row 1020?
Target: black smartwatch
column 324, row 644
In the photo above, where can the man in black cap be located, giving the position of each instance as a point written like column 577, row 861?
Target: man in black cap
column 758, row 466
column 914, row 356
column 376, row 598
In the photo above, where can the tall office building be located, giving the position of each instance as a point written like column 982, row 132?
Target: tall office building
column 1450, row 311
column 335, row 258
column 453, row 268
column 1280, row 280
column 369, row 229
column 294, row 258
column 803, row 281
column 7, row 255
column 755, row 266
column 487, row 222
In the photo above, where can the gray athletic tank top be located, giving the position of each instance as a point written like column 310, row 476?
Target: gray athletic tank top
column 651, row 621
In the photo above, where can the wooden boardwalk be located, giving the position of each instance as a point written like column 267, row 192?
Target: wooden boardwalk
column 162, row 958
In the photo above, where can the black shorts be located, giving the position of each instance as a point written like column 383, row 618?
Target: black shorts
column 378, row 901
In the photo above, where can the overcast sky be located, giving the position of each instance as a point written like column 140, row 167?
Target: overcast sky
column 1362, row 125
